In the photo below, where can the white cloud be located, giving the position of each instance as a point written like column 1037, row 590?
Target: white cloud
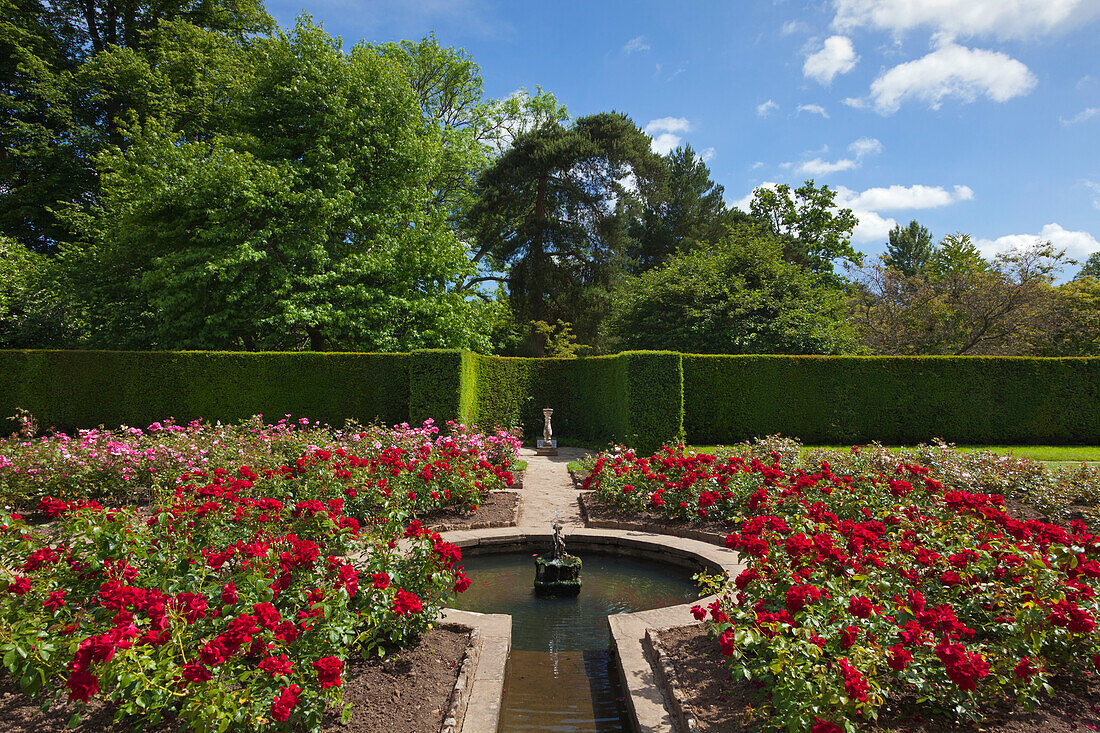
column 893, row 198
column 707, row 154
column 667, row 133
column 837, row 56
column 1085, row 114
column 1078, row 245
column 757, row 164
column 819, row 167
column 1001, row 18
column 636, row 44
column 766, row 108
column 794, row 26
column 1095, row 188
column 743, row 202
column 867, row 204
column 865, row 146
column 951, row 71
column 815, row 109
column 873, row 226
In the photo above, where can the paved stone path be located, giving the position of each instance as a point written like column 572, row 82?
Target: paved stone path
column 547, row 488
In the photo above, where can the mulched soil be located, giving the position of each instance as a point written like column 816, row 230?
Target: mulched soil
column 406, row 692
column 720, row 705
column 651, row 521
column 498, row 510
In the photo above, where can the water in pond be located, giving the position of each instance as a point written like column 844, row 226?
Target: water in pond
column 559, row 674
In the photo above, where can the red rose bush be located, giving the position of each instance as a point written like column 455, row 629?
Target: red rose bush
column 235, row 601
column 879, row 577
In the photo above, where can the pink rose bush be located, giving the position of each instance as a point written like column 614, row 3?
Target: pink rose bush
column 876, row 576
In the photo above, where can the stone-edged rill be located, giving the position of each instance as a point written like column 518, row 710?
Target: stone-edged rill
column 233, row 599
column 877, row 575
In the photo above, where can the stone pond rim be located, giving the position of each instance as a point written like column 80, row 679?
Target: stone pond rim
column 647, row 700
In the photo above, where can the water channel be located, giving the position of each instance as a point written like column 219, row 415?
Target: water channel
column 561, row 676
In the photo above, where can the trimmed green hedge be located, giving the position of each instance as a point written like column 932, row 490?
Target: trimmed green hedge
column 81, row 389
column 642, row 398
column 895, row 400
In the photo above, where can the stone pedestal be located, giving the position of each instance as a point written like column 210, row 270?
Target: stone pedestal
column 546, row 447
column 559, row 576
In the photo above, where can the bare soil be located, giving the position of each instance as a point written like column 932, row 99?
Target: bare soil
column 721, row 705
column 595, row 510
column 408, row 691
column 498, row 510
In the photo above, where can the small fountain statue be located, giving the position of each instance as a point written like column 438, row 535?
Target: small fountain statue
column 559, row 574
column 547, row 445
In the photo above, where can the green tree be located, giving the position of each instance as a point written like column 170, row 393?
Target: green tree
column 302, row 223
column 1091, row 268
column 740, row 295
column 689, row 209
column 59, row 108
column 960, row 303
column 814, row 231
column 910, row 249
column 1073, row 328
column 549, row 213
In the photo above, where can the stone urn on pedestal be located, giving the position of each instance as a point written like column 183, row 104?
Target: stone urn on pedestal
column 547, row 445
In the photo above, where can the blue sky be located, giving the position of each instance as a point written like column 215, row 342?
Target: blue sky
column 975, row 116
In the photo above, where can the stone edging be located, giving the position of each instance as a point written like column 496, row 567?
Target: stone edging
column 670, row 684
column 460, row 695
column 476, row 699
column 700, row 535
column 578, row 479
column 484, row 525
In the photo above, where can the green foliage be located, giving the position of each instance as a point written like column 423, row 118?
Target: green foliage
column 1091, row 268
column 306, row 222
column 910, row 249
column 561, row 342
column 546, row 211
column 738, row 296
column 77, row 389
column 632, row 397
column 816, row 233
column 895, row 400
column 1073, row 328
column 689, row 210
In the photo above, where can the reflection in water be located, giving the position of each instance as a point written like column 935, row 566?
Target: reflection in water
column 559, row 676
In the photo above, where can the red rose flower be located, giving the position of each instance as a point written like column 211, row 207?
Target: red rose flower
column 55, row 600
column 20, row 586
column 860, row 607
column 381, row 581
column 195, row 672
column 405, row 603
column 824, row 726
column 82, row 685
column 284, row 702
column 328, row 671
column 229, row 594
column 277, row 665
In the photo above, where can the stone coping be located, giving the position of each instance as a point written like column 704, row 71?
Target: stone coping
column 478, row 692
column 645, row 695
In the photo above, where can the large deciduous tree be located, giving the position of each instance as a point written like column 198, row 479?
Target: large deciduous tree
column 59, row 106
column 814, row 231
column 298, row 218
column 740, row 295
column 960, row 303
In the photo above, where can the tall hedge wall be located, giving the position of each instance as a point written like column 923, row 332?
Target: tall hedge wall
column 895, row 400
column 80, row 389
column 641, row 398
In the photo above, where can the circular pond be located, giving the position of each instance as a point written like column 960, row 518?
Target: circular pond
column 560, row 676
